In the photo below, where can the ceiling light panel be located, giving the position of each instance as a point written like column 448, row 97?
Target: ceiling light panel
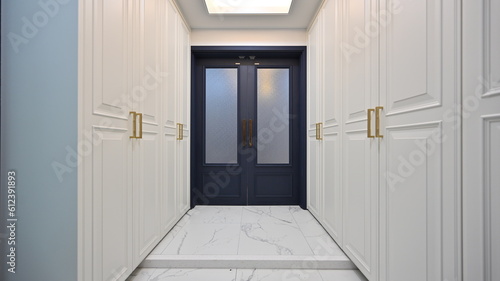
column 251, row 7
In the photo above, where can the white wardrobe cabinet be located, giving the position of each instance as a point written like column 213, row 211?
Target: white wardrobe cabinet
column 395, row 66
column 134, row 59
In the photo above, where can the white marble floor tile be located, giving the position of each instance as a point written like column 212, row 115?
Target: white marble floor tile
column 166, row 240
column 216, row 214
column 194, row 275
column 250, row 231
column 308, row 224
column 299, row 215
column 205, row 239
column 267, row 214
column 324, row 245
column 277, row 275
column 342, row 275
column 318, row 239
column 272, row 239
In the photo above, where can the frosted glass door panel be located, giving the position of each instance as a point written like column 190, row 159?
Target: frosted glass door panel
column 273, row 131
column 221, row 135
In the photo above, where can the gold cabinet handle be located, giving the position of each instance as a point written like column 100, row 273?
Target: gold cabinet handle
column 244, row 132
column 140, row 125
column 134, row 125
column 180, row 128
column 318, row 131
column 377, row 121
column 369, row 132
column 250, row 133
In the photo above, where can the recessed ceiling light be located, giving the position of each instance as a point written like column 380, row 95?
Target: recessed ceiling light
column 248, row 6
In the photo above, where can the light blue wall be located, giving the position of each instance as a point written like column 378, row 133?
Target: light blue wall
column 38, row 121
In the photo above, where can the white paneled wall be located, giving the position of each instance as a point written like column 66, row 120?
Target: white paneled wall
column 384, row 158
column 135, row 98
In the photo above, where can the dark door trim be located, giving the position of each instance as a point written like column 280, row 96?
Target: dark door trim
column 299, row 52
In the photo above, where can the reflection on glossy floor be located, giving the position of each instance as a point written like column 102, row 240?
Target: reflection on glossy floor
column 247, row 243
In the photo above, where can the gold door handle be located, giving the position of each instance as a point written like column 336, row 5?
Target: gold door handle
column 318, row 131
column 369, row 133
column 244, row 131
column 140, row 125
column 250, row 132
column 180, row 128
column 134, row 125
column 377, row 121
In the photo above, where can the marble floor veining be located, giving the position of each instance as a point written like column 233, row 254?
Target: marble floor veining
column 235, row 232
column 249, row 230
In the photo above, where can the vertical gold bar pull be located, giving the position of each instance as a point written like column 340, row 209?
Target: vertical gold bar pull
column 318, row 131
column 369, row 133
column 140, row 125
column 377, row 121
column 250, row 133
column 244, row 132
column 180, row 131
column 134, row 125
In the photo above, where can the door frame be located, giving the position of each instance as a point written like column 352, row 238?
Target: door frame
column 299, row 52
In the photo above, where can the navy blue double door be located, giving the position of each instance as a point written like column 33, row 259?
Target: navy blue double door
column 246, row 146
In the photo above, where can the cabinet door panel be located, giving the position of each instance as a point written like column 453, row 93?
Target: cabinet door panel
column 170, row 64
column 358, row 92
column 183, row 110
column 183, row 182
column 481, row 136
column 168, row 194
column 147, row 161
column 420, row 164
column 112, row 205
column 411, row 211
column 107, row 81
column 359, row 204
column 150, row 77
column 359, row 153
column 315, row 182
column 146, row 94
column 111, row 66
column 314, row 173
column 412, row 56
column 332, row 195
column 314, row 73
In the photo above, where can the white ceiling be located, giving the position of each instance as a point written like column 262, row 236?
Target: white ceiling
column 300, row 16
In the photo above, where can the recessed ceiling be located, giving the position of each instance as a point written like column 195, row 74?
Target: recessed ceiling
column 300, row 16
column 248, row 7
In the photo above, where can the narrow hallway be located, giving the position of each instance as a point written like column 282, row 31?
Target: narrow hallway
column 247, row 243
